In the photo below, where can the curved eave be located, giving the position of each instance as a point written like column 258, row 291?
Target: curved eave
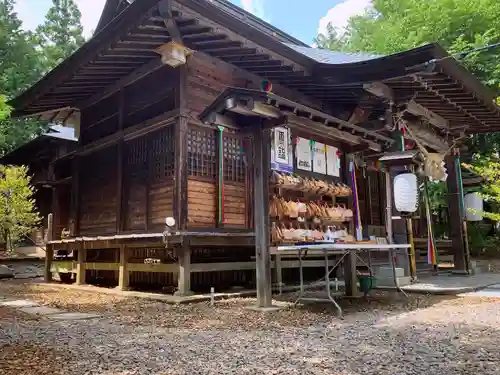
column 124, row 48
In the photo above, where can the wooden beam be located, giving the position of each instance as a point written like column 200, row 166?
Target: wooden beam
column 419, row 110
column 427, row 137
column 137, row 74
column 380, row 90
column 165, row 10
column 328, row 131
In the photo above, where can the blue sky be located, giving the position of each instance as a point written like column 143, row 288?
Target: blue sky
column 302, row 19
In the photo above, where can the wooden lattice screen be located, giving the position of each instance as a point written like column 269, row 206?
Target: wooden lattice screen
column 236, row 182
column 205, row 191
column 202, row 148
column 149, row 172
column 202, row 173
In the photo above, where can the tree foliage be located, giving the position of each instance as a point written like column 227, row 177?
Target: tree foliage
column 62, row 32
column 4, row 108
column 25, row 56
column 18, row 215
column 489, row 169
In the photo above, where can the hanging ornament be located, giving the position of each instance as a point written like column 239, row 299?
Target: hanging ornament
column 266, row 85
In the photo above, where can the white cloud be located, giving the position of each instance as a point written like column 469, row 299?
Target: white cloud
column 256, row 7
column 32, row 13
column 339, row 15
column 91, row 12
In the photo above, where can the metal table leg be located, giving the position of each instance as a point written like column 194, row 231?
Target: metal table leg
column 301, row 279
column 327, row 284
column 395, row 278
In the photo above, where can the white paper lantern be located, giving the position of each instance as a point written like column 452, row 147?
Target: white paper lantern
column 473, row 207
column 406, row 192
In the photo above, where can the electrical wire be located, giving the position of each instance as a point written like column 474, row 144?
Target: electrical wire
column 460, row 55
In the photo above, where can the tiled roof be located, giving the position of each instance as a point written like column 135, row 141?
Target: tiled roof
column 331, row 57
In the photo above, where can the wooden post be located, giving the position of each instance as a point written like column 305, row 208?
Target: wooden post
column 123, row 274
column 49, row 249
column 413, row 256
column 119, row 167
column 80, row 265
column 184, row 275
column 458, row 237
column 261, row 206
column 350, row 276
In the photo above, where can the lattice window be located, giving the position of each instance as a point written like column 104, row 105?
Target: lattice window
column 201, row 147
column 234, row 159
column 136, row 166
column 162, row 154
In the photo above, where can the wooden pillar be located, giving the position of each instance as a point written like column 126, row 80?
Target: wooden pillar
column 350, row 276
column 49, row 249
column 80, row 265
column 120, row 204
column 123, row 273
column 458, row 235
column 184, row 275
column 75, row 196
column 262, row 162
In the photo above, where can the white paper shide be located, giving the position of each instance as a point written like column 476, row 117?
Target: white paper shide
column 303, row 154
column 332, row 161
column 319, row 157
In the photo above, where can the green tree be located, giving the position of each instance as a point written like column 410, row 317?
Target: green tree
column 20, row 66
column 62, row 32
column 18, row 215
column 20, row 63
column 4, row 108
column 489, row 169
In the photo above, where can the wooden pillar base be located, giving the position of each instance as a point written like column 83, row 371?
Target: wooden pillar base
column 184, row 275
column 49, row 256
column 350, row 276
column 80, row 266
column 123, row 273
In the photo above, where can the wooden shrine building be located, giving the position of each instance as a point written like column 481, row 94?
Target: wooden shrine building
column 157, row 141
column 38, row 155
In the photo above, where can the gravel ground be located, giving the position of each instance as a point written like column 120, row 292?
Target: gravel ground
column 434, row 335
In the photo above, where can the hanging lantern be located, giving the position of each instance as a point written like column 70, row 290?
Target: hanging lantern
column 406, row 192
column 473, row 207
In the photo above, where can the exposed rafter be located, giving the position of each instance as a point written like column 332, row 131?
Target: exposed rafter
column 165, row 10
column 419, row 110
column 434, row 90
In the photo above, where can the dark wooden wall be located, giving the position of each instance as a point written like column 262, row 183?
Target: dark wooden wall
column 207, row 78
column 128, row 185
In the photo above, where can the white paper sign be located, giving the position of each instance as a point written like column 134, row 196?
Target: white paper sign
column 319, row 157
column 281, row 151
column 303, row 153
column 332, row 161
